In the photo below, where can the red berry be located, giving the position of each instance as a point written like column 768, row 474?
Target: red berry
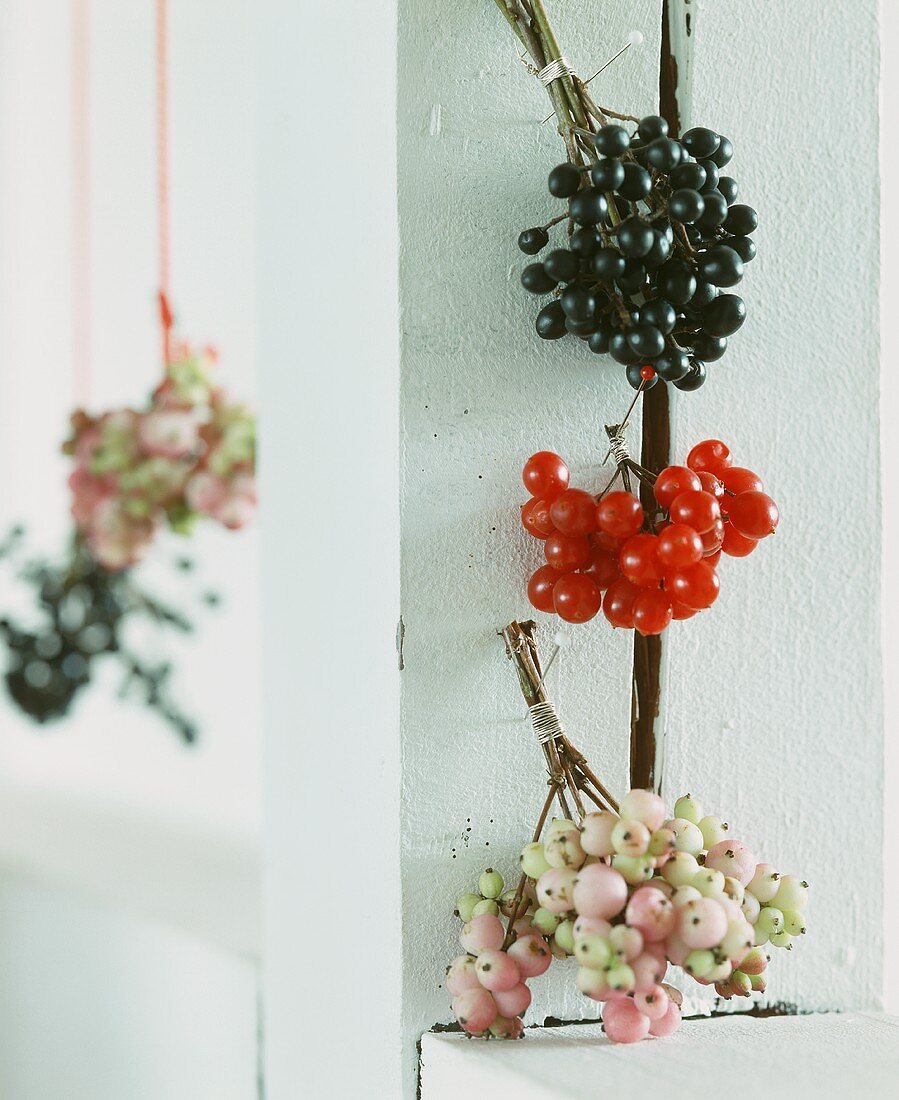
column 697, row 508
column 735, row 544
column 540, row 587
column 604, row 569
column 712, row 539
column 647, row 373
column 639, row 560
column 608, row 542
column 681, row 611
column 576, row 597
column 566, row 553
column 679, row 546
column 619, row 515
column 697, row 586
column 712, row 484
column 652, row 611
column 535, row 518
column 753, row 514
column 713, row 558
column 740, row 480
column 545, row 475
column 574, row 512
column 618, row 603
column 711, row 455
column 673, row 481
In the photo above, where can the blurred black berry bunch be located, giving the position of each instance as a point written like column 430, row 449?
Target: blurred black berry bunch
column 652, row 242
column 82, row 612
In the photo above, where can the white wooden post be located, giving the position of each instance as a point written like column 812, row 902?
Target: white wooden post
column 328, row 355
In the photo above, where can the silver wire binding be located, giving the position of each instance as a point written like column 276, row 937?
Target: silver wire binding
column 617, row 446
column 555, row 70
column 545, row 722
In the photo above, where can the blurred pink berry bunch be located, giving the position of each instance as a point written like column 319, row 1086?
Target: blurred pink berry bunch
column 627, row 894
column 190, row 453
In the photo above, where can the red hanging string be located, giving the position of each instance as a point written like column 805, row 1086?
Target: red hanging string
column 162, row 177
column 81, row 202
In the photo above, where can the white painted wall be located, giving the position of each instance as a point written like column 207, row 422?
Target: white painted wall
column 889, row 288
column 774, row 709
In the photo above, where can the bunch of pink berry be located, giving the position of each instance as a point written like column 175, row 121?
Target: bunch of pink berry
column 626, row 894
column 643, row 568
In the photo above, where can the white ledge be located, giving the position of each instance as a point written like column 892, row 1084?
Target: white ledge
column 780, row 1058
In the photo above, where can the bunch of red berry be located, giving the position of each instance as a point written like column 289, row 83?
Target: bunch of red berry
column 642, row 567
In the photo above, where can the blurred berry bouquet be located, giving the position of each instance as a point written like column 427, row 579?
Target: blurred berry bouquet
column 190, row 453
column 627, row 889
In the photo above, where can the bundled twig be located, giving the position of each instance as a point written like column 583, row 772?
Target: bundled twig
column 570, row 777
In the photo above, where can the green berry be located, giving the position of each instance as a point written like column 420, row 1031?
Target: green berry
column 491, row 883
column 533, row 860
column 700, row 963
column 594, row 952
column 564, row 936
column 465, row 906
column 689, row 809
column 545, row 921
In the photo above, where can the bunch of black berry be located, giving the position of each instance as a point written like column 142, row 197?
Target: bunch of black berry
column 656, row 239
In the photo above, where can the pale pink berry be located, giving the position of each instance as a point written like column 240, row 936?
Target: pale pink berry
column 630, row 838
column 676, row 949
column 497, row 971
column 531, row 955
column 648, row 971
column 738, row 941
column 596, row 833
column 626, row 941
column 622, row 1021
column 590, row 926
column 524, row 926
column 169, row 433
column 644, row 806
column 599, row 891
column 504, row 1027
column 461, row 975
column 514, row 1001
column 482, row 932
column 765, row 882
column 733, row 858
column 475, row 1009
column 651, row 912
column 653, row 1002
column 750, row 907
column 593, row 983
column 702, row 923
column 555, row 888
column 668, row 1024
column 206, row 492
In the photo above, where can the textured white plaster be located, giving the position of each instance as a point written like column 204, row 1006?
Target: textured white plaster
column 784, row 1058
column 774, row 708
